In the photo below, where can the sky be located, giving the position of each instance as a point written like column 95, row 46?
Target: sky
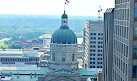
column 54, row 7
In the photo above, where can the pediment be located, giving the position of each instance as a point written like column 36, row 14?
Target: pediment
column 63, row 78
column 63, row 71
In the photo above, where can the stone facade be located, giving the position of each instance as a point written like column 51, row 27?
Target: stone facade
column 63, row 56
column 93, row 44
column 61, row 77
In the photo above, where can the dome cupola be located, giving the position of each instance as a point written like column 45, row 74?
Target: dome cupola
column 64, row 15
column 64, row 35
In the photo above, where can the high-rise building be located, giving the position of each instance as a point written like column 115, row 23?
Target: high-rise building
column 125, row 41
column 93, row 44
column 108, row 44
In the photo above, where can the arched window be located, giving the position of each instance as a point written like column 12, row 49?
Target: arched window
column 73, row 57
column 53, row 57
column 63, row 57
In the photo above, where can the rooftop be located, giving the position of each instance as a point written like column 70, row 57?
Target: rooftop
column 26, row 72
column 10, row 52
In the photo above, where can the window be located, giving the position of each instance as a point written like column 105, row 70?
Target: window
column 63, row 57
column 93, row 58
column 135, row 51
column 98, row 50
column 135, row 12
column 93, row 62
column 73, row 57
column 93, row 42
column 53, row 57
column 92, row 46
column 99, row 62
column 98, row 34
column 134, row 70
column 101, row 38
column 99, row 58
column 94, row 38
column 135, row 31
column 94, row 33
column 90, row 62
column 92, row 50
column 91, row 34
column 93, row 54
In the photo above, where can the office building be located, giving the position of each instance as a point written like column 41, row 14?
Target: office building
column 125, row 41
column 108, row 44
column 46, row 40
column 20, row 58
column 93, row 44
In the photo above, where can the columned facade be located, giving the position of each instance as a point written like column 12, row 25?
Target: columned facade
column 63, row 56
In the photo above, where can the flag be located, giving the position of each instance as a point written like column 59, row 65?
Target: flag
column 67, row 1
column 100, row 10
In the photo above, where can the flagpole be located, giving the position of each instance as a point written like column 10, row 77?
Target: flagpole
column 64, row 5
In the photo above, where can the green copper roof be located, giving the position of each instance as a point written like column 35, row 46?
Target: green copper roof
column 25, row 75
column 64, row 16
column 64, row 36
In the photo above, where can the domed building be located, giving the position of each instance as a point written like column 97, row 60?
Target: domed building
column 63, row 48
column 63, row 64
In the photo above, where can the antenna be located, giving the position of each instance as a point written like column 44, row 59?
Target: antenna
column 99, row 11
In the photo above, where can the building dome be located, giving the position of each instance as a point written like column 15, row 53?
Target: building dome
column 64, row 36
